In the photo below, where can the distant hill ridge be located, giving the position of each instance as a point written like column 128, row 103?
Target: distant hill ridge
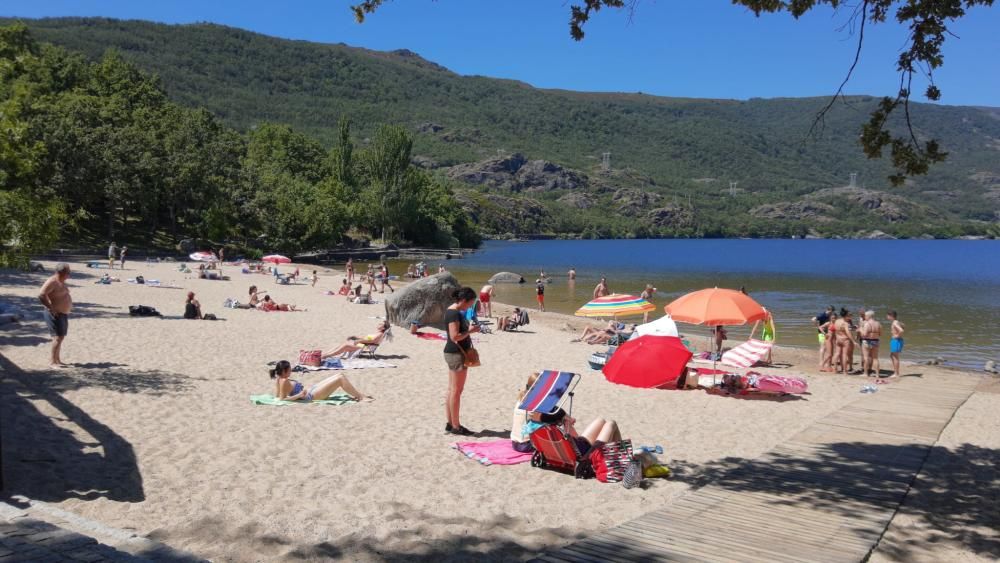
column 684, row 152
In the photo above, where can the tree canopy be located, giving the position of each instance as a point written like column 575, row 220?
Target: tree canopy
column 95, row 151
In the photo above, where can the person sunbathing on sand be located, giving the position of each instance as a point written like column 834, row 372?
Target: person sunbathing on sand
column 593, row 335
column 269, row 305
column 356, row 343
column 345, row 288
column 287, row 389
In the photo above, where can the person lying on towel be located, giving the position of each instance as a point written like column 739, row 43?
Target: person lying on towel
column 287, row 389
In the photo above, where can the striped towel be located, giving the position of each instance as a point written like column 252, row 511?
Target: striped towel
column 747, row 354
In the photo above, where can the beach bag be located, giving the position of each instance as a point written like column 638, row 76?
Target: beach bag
column 140, row 279
column 310, row 357
column 143, row 311
column 209, row 317
column 633, row 474
column 611, row 460
column 471, row 357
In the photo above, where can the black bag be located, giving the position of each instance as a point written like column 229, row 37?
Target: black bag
column 143, row 311
column 209, row 317
column 140, row 279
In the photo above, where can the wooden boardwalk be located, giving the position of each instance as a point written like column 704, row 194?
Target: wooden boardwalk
column 827, row 494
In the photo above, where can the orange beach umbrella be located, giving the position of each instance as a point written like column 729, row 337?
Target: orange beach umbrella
column 716, row 306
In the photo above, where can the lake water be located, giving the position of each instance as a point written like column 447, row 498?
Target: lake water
column 947, row 292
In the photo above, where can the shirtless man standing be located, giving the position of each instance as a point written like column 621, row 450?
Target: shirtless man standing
column 896, row 344
column 601, row 289
column 870, row 332
column 58, row 304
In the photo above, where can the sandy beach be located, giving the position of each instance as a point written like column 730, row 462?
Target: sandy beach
column 152, row 430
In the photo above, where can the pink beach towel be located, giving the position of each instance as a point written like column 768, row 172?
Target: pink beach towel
column 780, row 384
column 496, row 452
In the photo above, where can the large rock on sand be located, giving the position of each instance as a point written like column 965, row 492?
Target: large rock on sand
column 423, row 301
column 507, row 277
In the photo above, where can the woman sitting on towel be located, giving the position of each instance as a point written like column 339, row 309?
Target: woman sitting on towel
column 288, row 389
column 192, row 308
column 269, row 305
column 593, row 335
column 356, row 343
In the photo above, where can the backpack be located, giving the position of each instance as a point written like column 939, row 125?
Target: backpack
column 143, row 311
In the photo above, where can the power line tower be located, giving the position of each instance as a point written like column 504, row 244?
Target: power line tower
column 606, row 162
column 500, row 153
column 732, row 189
column 854, row 180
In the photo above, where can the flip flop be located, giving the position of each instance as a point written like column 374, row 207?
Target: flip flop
column 657, row 449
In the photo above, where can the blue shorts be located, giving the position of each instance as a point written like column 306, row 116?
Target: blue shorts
column 896, row 346
column 58, row 323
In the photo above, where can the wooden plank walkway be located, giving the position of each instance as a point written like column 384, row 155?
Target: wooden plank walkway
column 827, row 494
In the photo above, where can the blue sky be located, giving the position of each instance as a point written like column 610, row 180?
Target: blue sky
column 692, row 48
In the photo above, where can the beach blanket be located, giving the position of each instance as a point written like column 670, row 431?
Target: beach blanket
column 271, row 400
column 349, row 363
column 431, row 335
column 494, row 452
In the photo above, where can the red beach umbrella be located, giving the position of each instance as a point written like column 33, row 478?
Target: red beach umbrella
column 276, row 259
column 648, row 361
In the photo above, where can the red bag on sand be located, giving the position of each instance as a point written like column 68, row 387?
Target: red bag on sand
column 310, row 357
column 611, row 460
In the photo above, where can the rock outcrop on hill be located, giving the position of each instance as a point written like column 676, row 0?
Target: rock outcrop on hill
column 577, row 200
column 632, row 203
column 794, row 211
column 516, row 173
column 887, row 206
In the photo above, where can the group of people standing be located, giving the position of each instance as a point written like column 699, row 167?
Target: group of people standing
column 839, row 336
column 119, row 253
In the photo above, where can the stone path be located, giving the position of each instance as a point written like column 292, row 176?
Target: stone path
column 827, row 494
column 29, row 534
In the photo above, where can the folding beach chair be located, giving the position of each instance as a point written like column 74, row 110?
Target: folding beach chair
column 554, row 448
column 747, row 354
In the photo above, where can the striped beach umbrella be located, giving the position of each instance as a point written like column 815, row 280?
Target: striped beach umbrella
column 276, row 259
column 616, row 305
column 203, row 256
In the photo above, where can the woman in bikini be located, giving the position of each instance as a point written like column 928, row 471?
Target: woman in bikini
column 844, row 338
column 871, row 333
column 287, row 389
column 829, row 343
column 270, row 305
column 356, row 343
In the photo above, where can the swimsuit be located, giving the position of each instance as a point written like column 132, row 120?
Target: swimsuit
column 871, row 342
column 484, row 297
column 896, row 345
column 296, row 388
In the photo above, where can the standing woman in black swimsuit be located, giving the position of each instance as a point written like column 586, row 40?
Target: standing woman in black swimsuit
column 459, row 341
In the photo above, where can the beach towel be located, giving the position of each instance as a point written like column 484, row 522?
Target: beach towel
column 747, row 354
column 494, row 452
column 347, row 363
column 271, row 400
column 431, row 335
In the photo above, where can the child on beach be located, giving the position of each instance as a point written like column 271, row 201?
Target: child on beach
column 287, row 389
column 315, row 278
column 345, row 288
column 896, row 344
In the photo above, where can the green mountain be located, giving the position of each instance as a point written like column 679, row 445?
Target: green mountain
column 672, row 160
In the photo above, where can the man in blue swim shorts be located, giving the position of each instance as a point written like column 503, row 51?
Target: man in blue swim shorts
column 896, row 344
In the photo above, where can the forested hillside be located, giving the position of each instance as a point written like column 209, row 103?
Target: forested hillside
column 681, row 153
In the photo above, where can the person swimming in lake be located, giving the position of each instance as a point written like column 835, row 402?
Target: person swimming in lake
column 288, row 389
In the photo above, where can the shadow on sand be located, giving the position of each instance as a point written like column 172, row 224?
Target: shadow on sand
column 53, row 450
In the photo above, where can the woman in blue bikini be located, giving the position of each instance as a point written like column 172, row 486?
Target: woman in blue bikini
column 288, row 389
